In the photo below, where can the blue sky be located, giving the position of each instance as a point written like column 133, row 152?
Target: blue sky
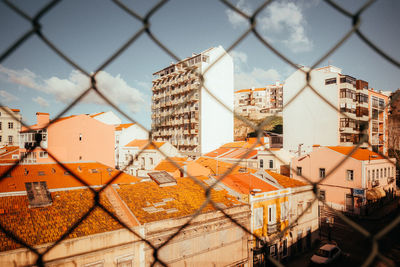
column 34, row 78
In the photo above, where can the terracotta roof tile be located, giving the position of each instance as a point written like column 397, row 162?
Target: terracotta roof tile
column 47, row 224
column 142, row 143
column 160, row 203
column 359, row 154
column 119, row 127
column 244, row 183
column 223, row 167
column 56, row 177
column 286, row 181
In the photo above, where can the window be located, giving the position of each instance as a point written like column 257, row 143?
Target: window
column 271, row 164
column 350, row 175
column 95, row 264
column 373, row 174
column 385, row 173
column 10, row 125
column 299, row 170
column 284, row 210
column 299, row 208
column 272, row 250
column 80, row 137
column 261, row 163
column 330, row 81
column 0, row 126
column 284, row 248
column 1, row 138
column 258, row 218
column 126, row 261
column 322, row 194
column 381, row 173
column 10, row 139
column 309, row 206
column 43, row 154
column 369, row 175
column 321, row 173
column 272, row 214
column 151, row 161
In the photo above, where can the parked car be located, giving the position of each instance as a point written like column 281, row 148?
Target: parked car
column 326, row 254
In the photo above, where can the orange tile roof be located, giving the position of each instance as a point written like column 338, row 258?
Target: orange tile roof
column 285, row 181
column 243, row 91
column 166, row 165
column 223, row 167
column 142, row 143
column 47, row 224
column 123, row 126
column 15, row 110
column 260, row 89
column 160, row 203
column 38, row 127
column 42, row 113
column 241, row 144
column 7, row 152
column 56, row 176
column 97, row 114
column 359, row 154
column 244, row 183
column 217, row 152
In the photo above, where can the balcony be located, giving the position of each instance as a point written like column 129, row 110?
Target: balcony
column 194, row 131
column 185, row 131
column 273, row 228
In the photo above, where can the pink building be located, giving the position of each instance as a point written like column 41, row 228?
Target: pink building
column 77, row 138
column 364, row 177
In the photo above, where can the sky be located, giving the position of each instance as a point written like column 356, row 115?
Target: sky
column 34, row 78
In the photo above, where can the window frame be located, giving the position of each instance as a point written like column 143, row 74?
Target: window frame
column 322, row 173
column 350, row 175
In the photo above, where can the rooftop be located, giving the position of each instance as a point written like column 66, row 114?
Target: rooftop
column 142, row 143
column 119, row 127
column 359, row 153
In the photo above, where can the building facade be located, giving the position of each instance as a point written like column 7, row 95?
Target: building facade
column 309, row 120
column 185, row 114
column 76, row 138
column 257, row 103
column 379, row 124
column 9, row 127
column 364, row 177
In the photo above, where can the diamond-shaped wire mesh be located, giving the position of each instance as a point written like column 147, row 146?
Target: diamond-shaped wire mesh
column 35, row 30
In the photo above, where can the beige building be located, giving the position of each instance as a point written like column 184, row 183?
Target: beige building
column 258, row 103
column 9, row 127
column 185, row 114
column 40, row 207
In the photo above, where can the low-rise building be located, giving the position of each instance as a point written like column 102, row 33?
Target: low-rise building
column 40, row 209
column 181, row 167
column 139, row 156
column 350, row 179
column 276, row 203
column 76, row 138
column 9, row 126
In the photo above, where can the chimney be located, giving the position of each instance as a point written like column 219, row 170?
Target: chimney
column 42, row 118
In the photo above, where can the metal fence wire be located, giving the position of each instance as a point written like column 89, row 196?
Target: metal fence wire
column 36, row 29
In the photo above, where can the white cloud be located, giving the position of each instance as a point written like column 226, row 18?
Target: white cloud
column 7, row 97
column 280, row 22
column 41, row 101
column 234, row 17
column 66, row 90
column 239, row 59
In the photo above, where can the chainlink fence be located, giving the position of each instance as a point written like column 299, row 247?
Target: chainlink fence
column 354, row 29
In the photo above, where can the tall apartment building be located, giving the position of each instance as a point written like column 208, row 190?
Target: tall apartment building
column 252, row 102
column 183, row 113
column 309, row 120
column 9, row 127
column 378, row 125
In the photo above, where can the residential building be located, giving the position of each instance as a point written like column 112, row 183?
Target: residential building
column 250, row 154
column 184, row 113
column 394, row 122
column 9, row 126
column 309, row 119
column 39, row 209
column 257, row 103
column 379, row 123
column 276, row 202
column 76, row 138
column 125, row 133
column 363, row 177
column 107, row 117
column 139, row 157
column 181, row 167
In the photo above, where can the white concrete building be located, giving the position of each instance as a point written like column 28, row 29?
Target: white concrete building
column 309, row 120
column 9, row 127
column 107, row 117
column 125, row 133
column 185, row 114
column 149, row 156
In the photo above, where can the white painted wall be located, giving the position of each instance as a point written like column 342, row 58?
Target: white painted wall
column 108, row 118
column 216, row 121
column 308, row 119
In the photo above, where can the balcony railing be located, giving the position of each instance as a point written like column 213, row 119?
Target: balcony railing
column 273, row 227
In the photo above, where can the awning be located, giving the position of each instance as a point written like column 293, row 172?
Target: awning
column 376, row 193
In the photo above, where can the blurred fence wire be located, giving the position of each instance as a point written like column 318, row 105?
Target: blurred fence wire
column 36, row 30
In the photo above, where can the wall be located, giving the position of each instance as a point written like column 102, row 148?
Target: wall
column 108, row 118
column 216, row 123
column 5, row 118
column 96, row 144
column 308, row 119
column 105, row 247
column 210, row 240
